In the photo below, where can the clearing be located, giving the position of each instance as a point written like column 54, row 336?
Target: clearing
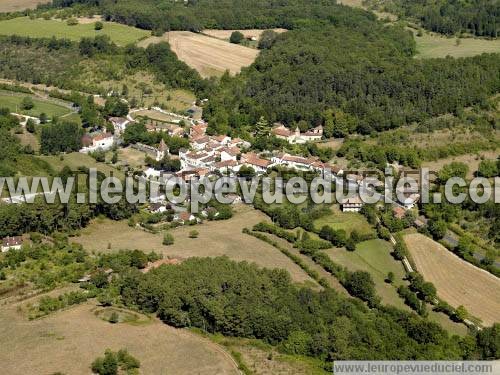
column 216, row 238
column 18, row 5
column 457, row 282
column 13, row 101
column 41, row 28
column 69, row 341
column 209, row 56
column 431, row 45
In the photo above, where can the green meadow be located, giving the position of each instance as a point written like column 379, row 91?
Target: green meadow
column 13, row 103
column 41, row 28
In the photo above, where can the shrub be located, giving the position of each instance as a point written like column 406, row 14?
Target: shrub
column 27, row 103
column 98, row 25
column 236, row 37
column 114, row 318
column 168, row 239
column 193, row 234
column 72, row 22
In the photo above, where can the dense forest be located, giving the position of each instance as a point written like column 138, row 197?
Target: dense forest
column 367, row 74
column 195, row 15
column 479, row 17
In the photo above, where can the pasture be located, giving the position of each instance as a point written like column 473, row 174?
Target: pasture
column 18, row 5
column 216, row 238
column 13, row 102
column 471, row 160
column 41, row 28
column 68, row 342
column 209, row 56
column 431, row 45
column 457, row 282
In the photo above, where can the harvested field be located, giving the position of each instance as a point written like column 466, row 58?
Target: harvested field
column 69, row 341
column 226, row 34
column 457, row 282
column 17, row 5
column 209, row 56
column 216, row 238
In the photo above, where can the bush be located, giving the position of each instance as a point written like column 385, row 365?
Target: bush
column 168, row 239
column 98, row 25
column 193, row 234
column 114, row 318
column 27, row 103
column 72, row 22
column 30, row 126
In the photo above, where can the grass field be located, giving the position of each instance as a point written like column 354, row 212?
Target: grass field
column 374, row 257
column 457, row 282
column 209, row 56
column 431, row 45
column 17, row 5
column 76, row 159
column 471, row 160
column 69, row 341
column 13, row 102
column 132, row 157
column 40, row 28
column 216, row 238
column 347, row 221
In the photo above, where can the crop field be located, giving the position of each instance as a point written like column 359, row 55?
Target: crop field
column 17, row 5
column 13, row 102
column 41, row 28
column 216, row 238
column 209, row 56
column 432, row 46
column 457, row 282
column 69, row 341
column 347, row 221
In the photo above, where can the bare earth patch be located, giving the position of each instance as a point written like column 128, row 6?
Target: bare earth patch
column 216, row 238
column 69, row 341
column 209, row 56
column 457, row 282
column 17, row 5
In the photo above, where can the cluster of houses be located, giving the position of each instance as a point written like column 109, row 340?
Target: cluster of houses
column 11, row 243
column 295, row 136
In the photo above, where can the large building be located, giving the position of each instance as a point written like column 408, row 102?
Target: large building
column 296, row 137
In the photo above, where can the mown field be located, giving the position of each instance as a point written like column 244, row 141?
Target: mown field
column 457, row 282
column 215, row 238
column 41, row 28
column 69, row 341
column 13, row 102
column 433, row 46
column 209, row 56
column 347, row 221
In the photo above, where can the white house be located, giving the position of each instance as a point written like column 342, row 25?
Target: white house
column 12, row 243
column 352, row 204
column 119, row 123
column 257, row 163
column 229, row 154
column 101, row 141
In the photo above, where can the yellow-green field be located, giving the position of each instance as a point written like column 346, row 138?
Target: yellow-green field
column 431, row 45
column 347, row 221
column 41, row 28
column 13, row 102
